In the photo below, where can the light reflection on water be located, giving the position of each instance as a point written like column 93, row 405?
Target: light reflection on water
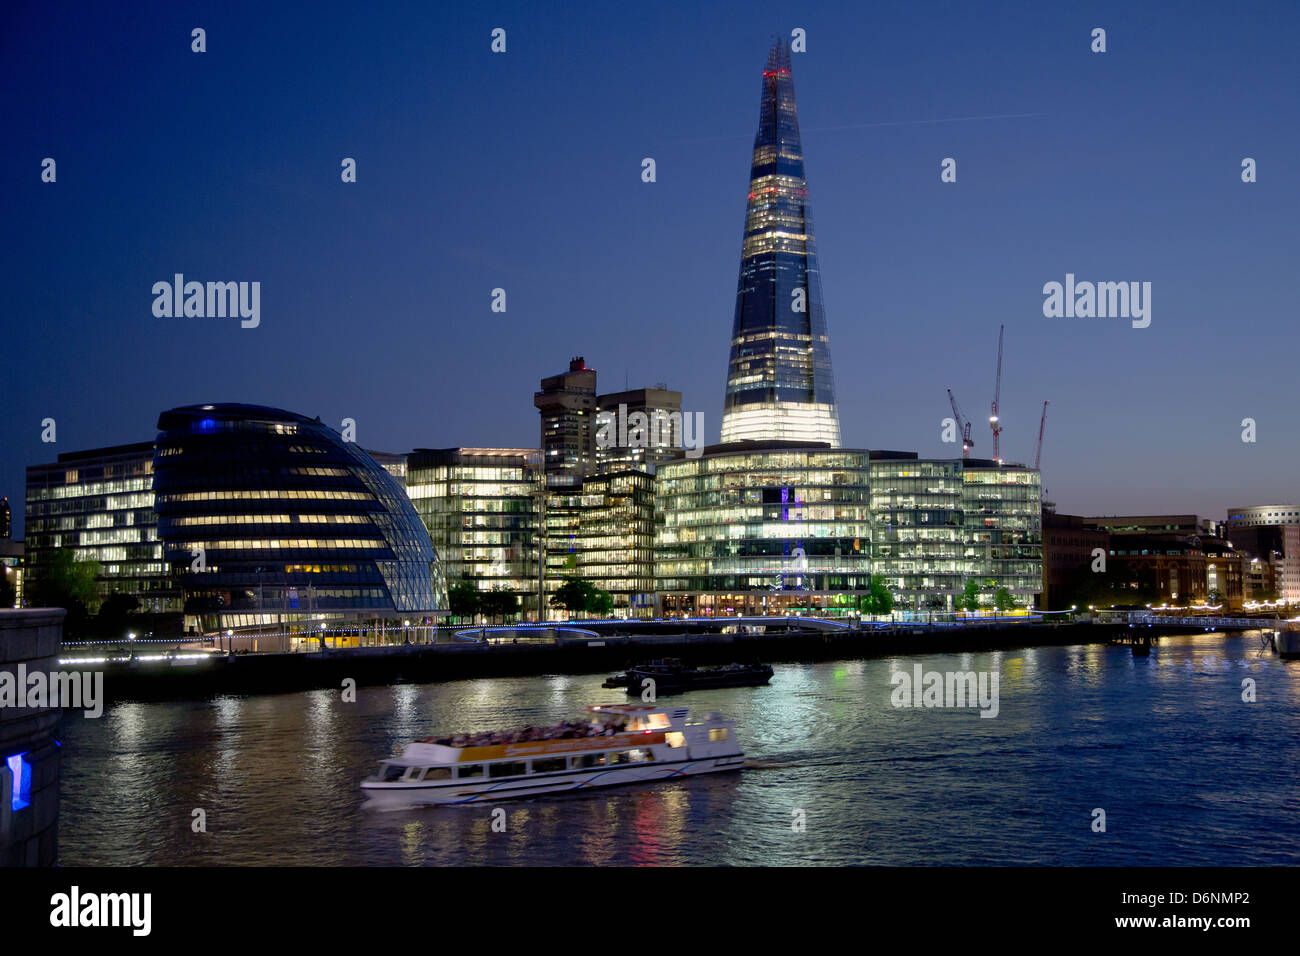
column 1187, row 771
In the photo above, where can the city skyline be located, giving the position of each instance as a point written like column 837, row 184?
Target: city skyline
column 1097, row 169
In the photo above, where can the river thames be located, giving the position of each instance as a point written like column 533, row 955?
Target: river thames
column 1186, row 771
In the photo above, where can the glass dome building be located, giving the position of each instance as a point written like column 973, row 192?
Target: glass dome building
column 266, row 516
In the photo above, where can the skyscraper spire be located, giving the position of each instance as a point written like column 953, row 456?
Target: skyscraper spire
column 779, row 382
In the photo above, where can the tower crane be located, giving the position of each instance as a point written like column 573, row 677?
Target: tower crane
column 1038, row 455
column 997, row 393
column 963, row 425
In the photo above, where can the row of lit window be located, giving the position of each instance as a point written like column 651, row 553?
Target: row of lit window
column 72, row 489
column 270, row 519
column 267, row 495
column 272, row 543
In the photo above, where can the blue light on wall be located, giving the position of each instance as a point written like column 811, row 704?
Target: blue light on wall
column 22, row 774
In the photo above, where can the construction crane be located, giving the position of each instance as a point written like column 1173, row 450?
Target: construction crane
column 997, row 393
column 1038, row 455
column 963, row 425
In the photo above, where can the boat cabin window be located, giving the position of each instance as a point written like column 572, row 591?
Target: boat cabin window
column 675, row 738
column 589, row 760
column 438, row 773
column 413, row 773
column 393, row 772
column 512, row 769
column 632, row 756
column 549, row 764
column 469, row 770
column 649, row 722
column 718, row 733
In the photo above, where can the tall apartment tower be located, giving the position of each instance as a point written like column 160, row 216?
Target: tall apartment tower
column 779, row 382
column 567, row 404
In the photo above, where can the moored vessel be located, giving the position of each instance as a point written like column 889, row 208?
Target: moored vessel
column 671, row 676
column 613, row 745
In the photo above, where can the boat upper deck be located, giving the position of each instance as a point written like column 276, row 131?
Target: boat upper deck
column 610, row 726
column 442, row 754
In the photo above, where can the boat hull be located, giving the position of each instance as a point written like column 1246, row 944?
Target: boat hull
column 678, row 682
column 670, row 685
column 402, row 794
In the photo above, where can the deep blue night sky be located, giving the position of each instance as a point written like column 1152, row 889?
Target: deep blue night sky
column 522, row 171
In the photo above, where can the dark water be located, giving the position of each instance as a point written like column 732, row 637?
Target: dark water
column 1186, row 771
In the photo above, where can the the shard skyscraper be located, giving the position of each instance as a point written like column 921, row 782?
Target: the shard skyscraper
column 779, row 382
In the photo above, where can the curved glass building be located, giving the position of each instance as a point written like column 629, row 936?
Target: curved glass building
column 266, row 516
column 779, row 382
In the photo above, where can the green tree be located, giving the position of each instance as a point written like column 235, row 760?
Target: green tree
column 1003, row 600
column 969, row 600
column 114, row 614
column 602, row 603
column 575, row 595
column 64, row 581
column 501, row 602
column 879, row 600
column 464, row 600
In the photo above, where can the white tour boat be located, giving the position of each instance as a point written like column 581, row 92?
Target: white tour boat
column 612, row 745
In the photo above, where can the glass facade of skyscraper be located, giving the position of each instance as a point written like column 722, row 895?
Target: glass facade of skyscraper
column 939, row 524
column 616, row 545
column 779, row 381
column 480, row 508
column 266, row 516
column 1004, row 528
column 100, row 505
column 763, row 530
column 919, row 530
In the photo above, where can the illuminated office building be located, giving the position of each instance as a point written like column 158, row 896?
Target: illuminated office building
column 615, row 545
column 779, row 382
column 1269, row 535
column 780, row 527
column 268, row 517
column 1003, row 543
column 763, row 529
column 480, row 508
column 638, row 427
column 100, row 505
column 567, row 405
